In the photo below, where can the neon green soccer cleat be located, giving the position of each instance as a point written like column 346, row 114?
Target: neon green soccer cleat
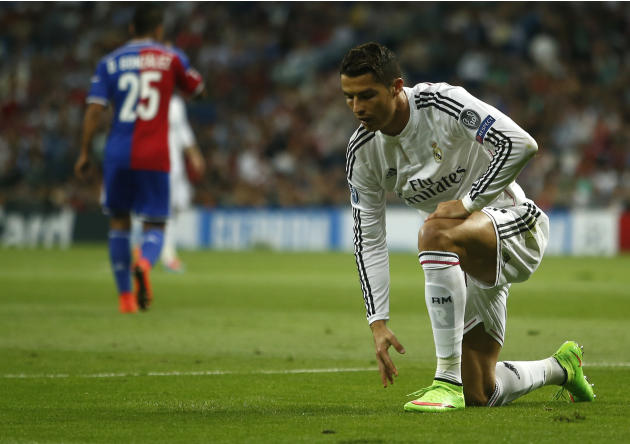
column 570, row 357
column 438, row 397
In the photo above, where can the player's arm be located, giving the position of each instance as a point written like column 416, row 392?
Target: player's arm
column 97, row 100
column 511, row 147
column 194, row 158
column 91, row 124
column 187, row 79
column 192, row 154
column 370, row 250
column 372, row 259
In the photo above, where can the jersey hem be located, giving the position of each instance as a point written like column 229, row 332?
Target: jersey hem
column 97, row 100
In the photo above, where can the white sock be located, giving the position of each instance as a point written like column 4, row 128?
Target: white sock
column 168, row 249
column 445, row 296
column 517, row 378
column 449, row 369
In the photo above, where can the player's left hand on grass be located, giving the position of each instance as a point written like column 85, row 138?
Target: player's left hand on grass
column 383, row 339
column 451, row 209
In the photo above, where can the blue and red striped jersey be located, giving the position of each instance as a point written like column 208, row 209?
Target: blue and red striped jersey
column 138, row 80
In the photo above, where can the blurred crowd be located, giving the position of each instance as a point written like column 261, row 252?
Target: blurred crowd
column 274, row 125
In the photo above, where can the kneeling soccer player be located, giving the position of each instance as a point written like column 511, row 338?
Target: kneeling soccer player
column 453, row 158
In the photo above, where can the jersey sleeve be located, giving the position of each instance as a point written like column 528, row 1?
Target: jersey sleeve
column 370, row 248
column 186, row 134
column 511, row 147
column 178, row 123
column 186, row 77
column 98, row 88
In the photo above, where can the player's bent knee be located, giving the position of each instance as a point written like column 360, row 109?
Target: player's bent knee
column 434, row 235
column 120, row 221
column 153, row 225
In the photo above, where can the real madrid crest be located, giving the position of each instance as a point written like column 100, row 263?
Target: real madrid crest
column 437, row 152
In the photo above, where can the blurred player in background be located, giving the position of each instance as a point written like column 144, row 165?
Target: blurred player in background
column 187, row 164
column 453, row 158
column 138, row 80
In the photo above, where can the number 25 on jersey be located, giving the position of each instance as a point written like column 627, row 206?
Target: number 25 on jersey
column 139, row 86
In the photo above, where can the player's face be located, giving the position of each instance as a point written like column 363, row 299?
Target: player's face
column 371, row 102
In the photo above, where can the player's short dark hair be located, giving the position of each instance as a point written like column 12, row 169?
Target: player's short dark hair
column 371, row 57
column 146, row 18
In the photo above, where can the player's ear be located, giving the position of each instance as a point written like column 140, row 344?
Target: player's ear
column 398, row 86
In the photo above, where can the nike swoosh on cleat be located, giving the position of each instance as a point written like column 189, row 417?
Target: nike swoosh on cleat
column 578, row 358
column 433, row 404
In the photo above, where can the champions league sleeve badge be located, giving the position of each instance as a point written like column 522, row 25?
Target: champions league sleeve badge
column 484, row 127
column 470, row 119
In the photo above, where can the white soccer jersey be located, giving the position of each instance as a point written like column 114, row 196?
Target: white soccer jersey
column 454, row 146
column 180, row 137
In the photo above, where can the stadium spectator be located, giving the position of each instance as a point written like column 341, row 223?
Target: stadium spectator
column 559, row 69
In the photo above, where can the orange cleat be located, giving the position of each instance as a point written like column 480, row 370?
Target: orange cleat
column 142, row 284
column 174, row 266
column 127, row 303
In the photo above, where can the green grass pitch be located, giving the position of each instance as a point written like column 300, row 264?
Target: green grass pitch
column 274, row 347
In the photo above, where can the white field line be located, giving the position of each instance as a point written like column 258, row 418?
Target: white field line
column 236, row 372
column 189, row 373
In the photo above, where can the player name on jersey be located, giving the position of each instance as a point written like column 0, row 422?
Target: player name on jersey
column 140, row 62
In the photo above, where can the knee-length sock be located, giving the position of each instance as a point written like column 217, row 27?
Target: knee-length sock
column 120, row 259
column 445, row 297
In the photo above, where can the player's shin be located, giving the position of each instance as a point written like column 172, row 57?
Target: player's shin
column 445, row 297
column 517, row 378
column 168, row 249
column 120, row 259
column 152, row 241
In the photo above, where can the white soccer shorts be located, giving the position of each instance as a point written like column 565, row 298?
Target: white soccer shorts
column 522, row 235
